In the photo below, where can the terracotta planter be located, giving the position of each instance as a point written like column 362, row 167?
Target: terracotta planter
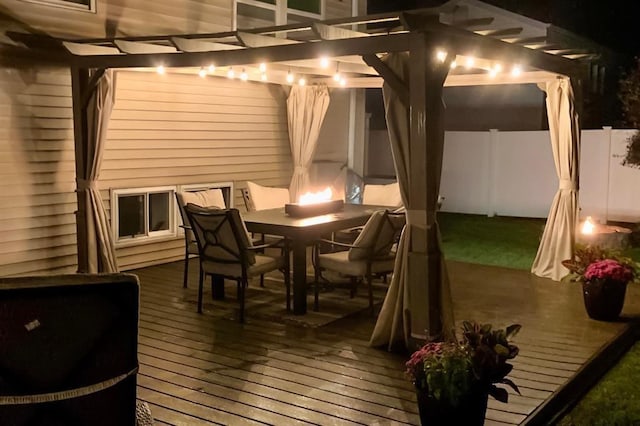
column 603, row 299
column 470, row 411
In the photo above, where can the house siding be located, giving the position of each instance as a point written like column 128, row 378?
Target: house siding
column 174, row 129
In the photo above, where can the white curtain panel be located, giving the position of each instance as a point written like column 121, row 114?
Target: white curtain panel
column 405, row 311
column 559, row 233
column 306, row 108
column 102, row 254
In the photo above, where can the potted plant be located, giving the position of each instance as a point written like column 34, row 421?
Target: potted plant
column 604, row 276
column 453, row 380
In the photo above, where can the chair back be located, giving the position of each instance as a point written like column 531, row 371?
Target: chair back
column 267, row 197
column 221, row 235
column 207, row 198
column 382, row 195
column 378, row 236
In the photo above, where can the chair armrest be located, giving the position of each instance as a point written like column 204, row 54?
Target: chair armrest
column 335, row 243
column 186, row 227
column 278, row 244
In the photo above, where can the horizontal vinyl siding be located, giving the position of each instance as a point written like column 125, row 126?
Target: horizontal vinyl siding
column 37, row 173
column 178, row 129
column 132, row 18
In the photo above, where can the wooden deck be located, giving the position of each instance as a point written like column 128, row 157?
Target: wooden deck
column 209, row 369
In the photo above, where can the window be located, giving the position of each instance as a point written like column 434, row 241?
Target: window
column 264, row 13
column 82, row 5
column 140, row 214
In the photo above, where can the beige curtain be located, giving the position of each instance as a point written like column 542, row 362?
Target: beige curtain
column 306, row 108
column 405, row 310
column 559, row 233
column 101, row 256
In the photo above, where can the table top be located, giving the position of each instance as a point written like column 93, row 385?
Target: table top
column 275, row 221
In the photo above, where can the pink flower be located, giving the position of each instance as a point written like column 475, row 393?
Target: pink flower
column 608, row 269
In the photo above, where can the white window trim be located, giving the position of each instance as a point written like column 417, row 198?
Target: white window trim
column 281, row 11
column 154, row 236
column 67, row 5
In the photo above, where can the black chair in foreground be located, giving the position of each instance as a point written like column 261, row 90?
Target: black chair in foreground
column 372, row 253
column 225, row 249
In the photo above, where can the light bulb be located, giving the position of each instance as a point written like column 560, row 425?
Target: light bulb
column 441, row 55
column 497, row 67
column 492, row 73
column 231, row 73
column 453, row 65
column 516, row 71
column 212, row 68
column 160, row 69
column 343, row 82
column 470, row 61
column 324, row 62
column 202, row 73
column 263, row 67
column 243, row 75
column 289, row 77
column 263, row 77
column 302, row 81
column 336, row 77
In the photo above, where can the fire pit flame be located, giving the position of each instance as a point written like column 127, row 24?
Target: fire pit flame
column 315, row 197
column 588, row 227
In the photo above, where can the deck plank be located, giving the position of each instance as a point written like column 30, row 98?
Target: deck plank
column 209, row 369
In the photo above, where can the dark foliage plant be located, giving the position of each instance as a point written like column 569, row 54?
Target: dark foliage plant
column 447, row 371
column 629, row 95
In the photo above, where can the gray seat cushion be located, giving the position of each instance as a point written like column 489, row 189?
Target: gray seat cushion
column 339, row 262
column 263, row 264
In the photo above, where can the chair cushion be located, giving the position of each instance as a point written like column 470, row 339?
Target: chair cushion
column 266, row 197
column 263, row 264
column 208, row 198
column 339, row 262
column 382, row 195
column 367, row 237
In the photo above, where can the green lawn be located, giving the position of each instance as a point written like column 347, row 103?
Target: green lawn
column 511, row 242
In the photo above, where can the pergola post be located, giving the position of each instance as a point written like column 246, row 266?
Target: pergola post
column 79, row 90
column 426, row 80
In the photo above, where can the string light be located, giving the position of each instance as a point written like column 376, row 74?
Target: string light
column 302, row 81
column 243, row 75
column 441, row 55
column 263, row 77
column 324, row 62
column 492, row 72
column 212, row 68
column 336, row 77
column 160, row 69
column 453, row 65
column 290, row 77
column 263, row 67
column 497, row 68
column 231, row 73
column 202, row 72
column 516, row 71
column 470, row 61
column 343, row 81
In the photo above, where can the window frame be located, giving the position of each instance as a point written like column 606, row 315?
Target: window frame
column 280, row 9
column 148, row 236
column 91, row 8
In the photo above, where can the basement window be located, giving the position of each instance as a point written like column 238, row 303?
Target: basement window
column 142, row 214
column 81, row 5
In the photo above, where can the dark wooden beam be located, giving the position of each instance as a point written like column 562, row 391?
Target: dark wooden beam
column 489, row 48
column 15, row 57
column 356, row 46
column 389, row 77
column 79, row 86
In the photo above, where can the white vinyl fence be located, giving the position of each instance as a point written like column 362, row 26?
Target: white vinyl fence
column 512, row 174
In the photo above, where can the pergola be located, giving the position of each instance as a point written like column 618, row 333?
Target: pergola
column 413, row 55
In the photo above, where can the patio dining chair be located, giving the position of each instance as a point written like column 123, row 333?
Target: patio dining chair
column 382, row 195
column 207, row 198
column 226, row 250
column 372, row 253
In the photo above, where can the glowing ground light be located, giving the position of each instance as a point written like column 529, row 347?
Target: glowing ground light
column 588, row 226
